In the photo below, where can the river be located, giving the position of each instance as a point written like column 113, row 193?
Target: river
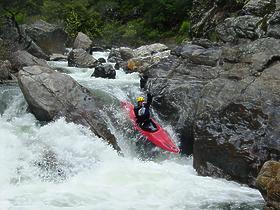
column 87, row 174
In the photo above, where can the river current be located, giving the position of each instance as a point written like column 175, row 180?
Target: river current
column 87, row 174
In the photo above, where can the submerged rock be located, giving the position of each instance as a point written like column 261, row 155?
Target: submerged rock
column 80, row 58
column 50, row 94
column 268, row 182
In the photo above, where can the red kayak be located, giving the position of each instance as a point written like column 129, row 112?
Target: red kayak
column 159, row 137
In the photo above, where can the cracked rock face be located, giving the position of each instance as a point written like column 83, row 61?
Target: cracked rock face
column 230, row 111
column 50, row 94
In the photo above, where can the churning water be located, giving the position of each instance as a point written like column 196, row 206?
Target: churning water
column 64, row 166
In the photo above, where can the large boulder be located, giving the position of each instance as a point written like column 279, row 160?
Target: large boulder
column 82, row 41
column 50, row 94
column 80, row 58
column 242, row 27
column 268, row 182
column 50, row 38
column 229, row 110
column 259, row 7
column 5, row 69
column 105, row 71
column 22, row 58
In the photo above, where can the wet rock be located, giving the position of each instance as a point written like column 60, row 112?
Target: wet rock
column 105, row 71
column 5, row 69
column 22, row 58
column 148, row 50
column 243, row 27
column 268, row 182
column 80, row 58
column 101, row 60
column 235, row 139
column 247, row 77
column 274, row 25
column 50, row 38
column 82, row 41
column 259, row 7
column 51, row 94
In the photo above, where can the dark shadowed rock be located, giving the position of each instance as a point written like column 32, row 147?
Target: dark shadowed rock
column 50, row 38
column 268, row 182
column 80, row 58
column 5, row 69
column 82, row 41
column 218, row 104
column 242, row 27
column 273, row 29
column 259, row 7
column 105, row 71
column 50, row 94
column 22, row 58
column 101, row 60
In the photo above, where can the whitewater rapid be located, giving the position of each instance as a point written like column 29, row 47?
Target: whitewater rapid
column 87, row 174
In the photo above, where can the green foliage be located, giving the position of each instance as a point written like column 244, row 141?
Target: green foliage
column 184, row 31
column 116, row 21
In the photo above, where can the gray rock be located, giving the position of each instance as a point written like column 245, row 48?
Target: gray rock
column 22, row 58
column 5, row 69
column 80, row 58
column 105, row 71
column 231, row 111
column 82, row 41
column 51, row 94
column 50, row 38
column 148, row 50
column 58, row 57
column 243, row 27
column 115, row 56
column 259, row 7
column 273, row 29
column 126, row 53
column 198, row 55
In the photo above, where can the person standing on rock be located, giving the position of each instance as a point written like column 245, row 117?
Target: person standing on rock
column 142, row 113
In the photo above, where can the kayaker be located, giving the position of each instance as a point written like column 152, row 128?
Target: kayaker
column 142, row 112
